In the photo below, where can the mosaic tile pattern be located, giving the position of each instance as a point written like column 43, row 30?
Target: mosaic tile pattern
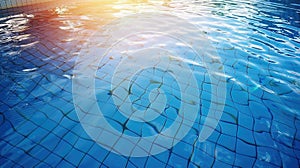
column 15, row 3
column 260, row 123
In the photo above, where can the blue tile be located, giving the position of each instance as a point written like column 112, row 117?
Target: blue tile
column 264, row 139
column 245, row 149
column 98, row 152
column 259, row 163
column 243, row 109
column 240, row 66
column 255, row 92
column 202, row 159
column 246, row 121
column 42, row 164
column 39, row 152
column 39, row 119
column 60, row 131
column 224, row 155
column 221, row 164
column 228, row 142
column 110, row 160
column 38, row 134
column 259, row 110
column 26, row 128
column 50, row 142
column 62, row 148
column 228, row 128
column 230, row 115
column 28, row 161
column 26, row 144
column 14, row 139
column 269, row 155
column 74, row 157
column 154, row 162
column 5, row 162
column 246, row 135
column 90, row 162
column 207, row 147
column 285, row 149
column 283, row 133
column 6, row 148
column 183, row 149
column 244, row 161
column 63, row 163
column 141, row 161
column 262, row 125
column 71, row 138
column 53, row 159
column 192, row 165
column 239, row 96
column 288, row 161
column 84, row 145
column 177, row 161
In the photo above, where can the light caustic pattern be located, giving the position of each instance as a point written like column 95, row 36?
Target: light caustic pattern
column 115, row 57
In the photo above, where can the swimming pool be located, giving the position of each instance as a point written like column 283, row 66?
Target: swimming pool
column 54, row 85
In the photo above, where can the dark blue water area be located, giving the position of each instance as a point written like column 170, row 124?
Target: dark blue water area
column 258, row 43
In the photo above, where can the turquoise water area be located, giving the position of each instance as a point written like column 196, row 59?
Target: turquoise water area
column 258, row 43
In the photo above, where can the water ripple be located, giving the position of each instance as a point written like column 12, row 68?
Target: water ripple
column 258, row 42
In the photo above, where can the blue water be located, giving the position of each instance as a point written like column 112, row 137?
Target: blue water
column 258, row 43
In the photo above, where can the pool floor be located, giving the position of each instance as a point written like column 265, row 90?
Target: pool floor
column 43, row 118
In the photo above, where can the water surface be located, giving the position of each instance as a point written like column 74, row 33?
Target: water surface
column 258, row 43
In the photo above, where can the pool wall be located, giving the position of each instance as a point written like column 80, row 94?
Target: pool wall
column 13, row 7
column 4, row 4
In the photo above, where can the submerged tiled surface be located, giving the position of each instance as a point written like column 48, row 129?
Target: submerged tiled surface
column 260, row 124
column 5, row 4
